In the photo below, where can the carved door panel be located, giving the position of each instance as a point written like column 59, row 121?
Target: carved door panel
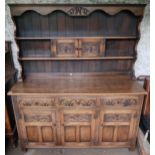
column 77, row 127
column 40, row 127
column 117, row 127
column 65, row 47
column 91, row 47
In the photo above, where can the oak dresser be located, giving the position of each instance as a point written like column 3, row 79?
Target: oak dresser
column 77, row 88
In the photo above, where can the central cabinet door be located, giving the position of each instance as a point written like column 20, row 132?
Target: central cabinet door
column 77, row 127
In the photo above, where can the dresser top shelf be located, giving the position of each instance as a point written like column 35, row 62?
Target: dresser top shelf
column 77, row 84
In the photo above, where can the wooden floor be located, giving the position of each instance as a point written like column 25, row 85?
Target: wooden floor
column 17, row 151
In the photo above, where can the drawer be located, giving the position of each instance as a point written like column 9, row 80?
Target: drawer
column 35, row 101
column 84, row 102
column 119, row 102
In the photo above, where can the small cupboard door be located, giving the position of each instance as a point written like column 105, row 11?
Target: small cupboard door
column 88, row 47
column 116, row 127
column 65, row 47
column 77, row 127
column 91, row 47
column 39, row 127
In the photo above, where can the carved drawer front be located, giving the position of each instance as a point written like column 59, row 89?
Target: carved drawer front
column 77, row 127
column 32, row 101
column 65, row 48
column 117, row 127
column 120, row 102
column 39, row 126
column 91, row 47
column 83, row 102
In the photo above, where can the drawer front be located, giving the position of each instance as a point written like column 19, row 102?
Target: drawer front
column 83, row 102
column 119, row 102
column 32, row 101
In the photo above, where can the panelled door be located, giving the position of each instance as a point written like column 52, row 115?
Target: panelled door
column 77, row 127
column 118, row 118
column 116, row 127
column 65, row 47
column 91, row 47
column 78, row 47
column 38, row 121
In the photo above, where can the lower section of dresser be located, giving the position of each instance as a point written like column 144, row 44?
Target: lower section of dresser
column 77, row 122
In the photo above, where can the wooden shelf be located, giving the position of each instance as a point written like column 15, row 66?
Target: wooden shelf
column 95, row 37
column 77, row 58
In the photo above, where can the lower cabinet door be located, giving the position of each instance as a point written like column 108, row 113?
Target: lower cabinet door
column 117, row 128
column 77, row 128
column 39, row 127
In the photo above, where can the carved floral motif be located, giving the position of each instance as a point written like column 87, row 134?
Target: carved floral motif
column 117, row 117
column 36, row 101
column 70, row 102
column 77, row 118
column 119, row 102
column 64, row 49
column 78, row 11
column 38, row 118
column 90, row 48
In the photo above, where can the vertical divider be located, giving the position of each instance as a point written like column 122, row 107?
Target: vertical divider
column 102, row 47
column 40, row 134
column 76, row 48
column 79, row 47
column 115, row 134
column 53, row 48
column 77, row 134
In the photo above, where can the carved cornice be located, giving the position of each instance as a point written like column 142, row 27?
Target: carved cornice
column 76, row 10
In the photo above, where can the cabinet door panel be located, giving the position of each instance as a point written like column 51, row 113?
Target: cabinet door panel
column 65, row 48
column 116, row 126
column 32, row 134
column 70, row 133
column 91, row 47
column 47, row 134
column 107, row 133
column 123, row 133
column 40, row 125
column 77, row 127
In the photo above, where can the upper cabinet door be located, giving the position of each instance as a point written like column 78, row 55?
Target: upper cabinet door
column 65, row 48
column 91, row 47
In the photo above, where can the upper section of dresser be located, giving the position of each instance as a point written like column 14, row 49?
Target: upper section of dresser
column 77, row 38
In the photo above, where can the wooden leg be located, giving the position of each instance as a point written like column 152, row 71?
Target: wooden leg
column 132, row 146
column 23, row 149
column 22, row 146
